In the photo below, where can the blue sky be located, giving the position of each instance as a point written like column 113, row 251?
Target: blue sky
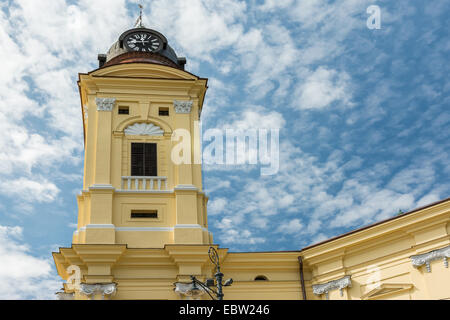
column 363, row 116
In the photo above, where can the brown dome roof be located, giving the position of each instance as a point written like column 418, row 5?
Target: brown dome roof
column 143, row 57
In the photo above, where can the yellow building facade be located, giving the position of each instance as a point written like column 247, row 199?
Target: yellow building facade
column 142, row 221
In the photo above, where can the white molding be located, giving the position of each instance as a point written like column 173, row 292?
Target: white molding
column 425, row 258
column 182, row 106
column 105, row 104
column 101, row 187
column 340, row 284
column 190, row 187
column 143, row 129
column 190, row 226
column 144, row 191
column 99, row 226
column 146, row 229
column 157, row 229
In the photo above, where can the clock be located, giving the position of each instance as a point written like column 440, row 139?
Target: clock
column 142, row 41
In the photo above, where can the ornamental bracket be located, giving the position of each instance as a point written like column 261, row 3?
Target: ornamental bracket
column 340, row 284
column 103, row 289
column 426, row 258
column 189, row 290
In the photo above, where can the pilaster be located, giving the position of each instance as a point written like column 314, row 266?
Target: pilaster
column 103, row 143
column 190, row 260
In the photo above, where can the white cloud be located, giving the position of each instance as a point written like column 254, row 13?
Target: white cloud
column 23, row 276
column 29, row 190
column 255, row 117
column 270, row 5
column 413, row 178
column 240, row 237
column 217, row 206
column 301, row 190
column 292, row 227
column 199, row 27
column 322, row 88
column 427, row 199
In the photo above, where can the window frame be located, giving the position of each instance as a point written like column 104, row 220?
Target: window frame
column 143, row 161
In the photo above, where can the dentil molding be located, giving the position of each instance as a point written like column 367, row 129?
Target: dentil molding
column 182, row 106
column 340, row 284
column 426, row 258
column 105, row 104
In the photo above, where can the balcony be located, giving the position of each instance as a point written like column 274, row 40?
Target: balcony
column 134, row 183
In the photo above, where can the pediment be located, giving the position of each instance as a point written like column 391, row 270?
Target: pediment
column 386, row 289
column 143, row 70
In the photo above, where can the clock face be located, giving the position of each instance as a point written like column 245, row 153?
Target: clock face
column 143, row 42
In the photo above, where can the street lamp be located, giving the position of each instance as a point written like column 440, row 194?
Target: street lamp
column 214, row 257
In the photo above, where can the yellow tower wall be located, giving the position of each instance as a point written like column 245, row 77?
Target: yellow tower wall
column 109, row 192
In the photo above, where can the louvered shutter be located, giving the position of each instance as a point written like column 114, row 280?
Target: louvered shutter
column 144, row 159
column 150, row 167
column 137, row 159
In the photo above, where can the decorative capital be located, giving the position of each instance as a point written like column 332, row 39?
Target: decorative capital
column 103, row 289
column 189, row 289
column 426, row 258
column 143, row 129
column 105, row 104
column 182, row 106
column 340, row 284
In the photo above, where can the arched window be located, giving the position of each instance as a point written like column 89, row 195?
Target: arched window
column 261, row 278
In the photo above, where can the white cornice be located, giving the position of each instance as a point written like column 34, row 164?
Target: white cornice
column 189, row 187
column 144, row 228
column 100, row 226
column 144, row 191
column 190, row 226
column 149, row 229
column 101, row 187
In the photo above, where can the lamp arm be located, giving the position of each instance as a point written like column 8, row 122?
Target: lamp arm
column 204, row 287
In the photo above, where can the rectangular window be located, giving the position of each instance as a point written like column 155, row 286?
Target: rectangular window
column 124, row 110
column 143, row 159
column 163, row 111
column 149, row 214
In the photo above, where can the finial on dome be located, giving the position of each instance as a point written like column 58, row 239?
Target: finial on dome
column 138, row 23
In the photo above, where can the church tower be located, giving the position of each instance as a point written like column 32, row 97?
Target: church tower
column 137, row 107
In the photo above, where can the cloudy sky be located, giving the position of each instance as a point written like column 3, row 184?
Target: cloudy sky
column 363, row 116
